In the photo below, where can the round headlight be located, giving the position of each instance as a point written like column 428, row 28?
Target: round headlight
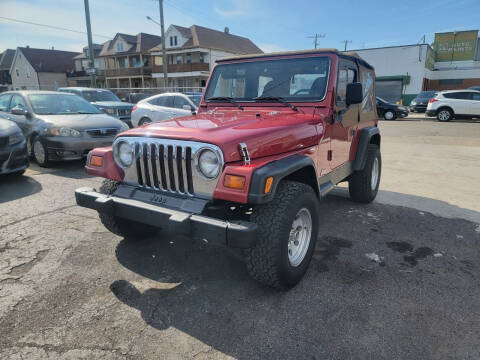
column 125, row 154
column 209, row 164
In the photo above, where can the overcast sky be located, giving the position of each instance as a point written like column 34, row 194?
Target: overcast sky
column 272, row 24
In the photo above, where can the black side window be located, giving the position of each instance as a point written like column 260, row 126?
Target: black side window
column 345, row 76
column 4, row 100
column 459, row 95
column 179, row 102
column 476, row 96
column 163, row 101
column 17, row 102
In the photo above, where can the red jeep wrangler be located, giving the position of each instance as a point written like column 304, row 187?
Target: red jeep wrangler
column 273, row 134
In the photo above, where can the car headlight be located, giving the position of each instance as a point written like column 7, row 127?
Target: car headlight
column 124, row 127
column 109, row 111
column 123, row 153
column 63, row 131
column 209, row 164
column 413, row 103
column 15, row 138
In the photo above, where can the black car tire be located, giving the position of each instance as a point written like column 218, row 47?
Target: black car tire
column 42, row 161
column 444, row 114
column 269, row 262
column 18, row 173
column 389, row 117
column 144, row 121
column 119, row 226
column 360, row 185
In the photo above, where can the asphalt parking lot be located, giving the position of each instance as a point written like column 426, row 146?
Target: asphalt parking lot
column 69, row 289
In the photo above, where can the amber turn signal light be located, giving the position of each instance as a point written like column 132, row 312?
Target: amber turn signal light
column 96, row 161
column 234, row 182
column 268, row 184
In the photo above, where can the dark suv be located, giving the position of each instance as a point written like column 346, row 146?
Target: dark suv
column 420, row 102
column 273, row 134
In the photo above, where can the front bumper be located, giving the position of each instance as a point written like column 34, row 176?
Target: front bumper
column 71, row 148
column 402, row 113
column 418, row 107
column 14, row 158
column 431, row 113
column 237, row 234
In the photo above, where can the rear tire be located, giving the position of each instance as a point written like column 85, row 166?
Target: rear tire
column 119, row 226
column 288, row 231
column 144, row 121
column 363, row 185
column 444, row 115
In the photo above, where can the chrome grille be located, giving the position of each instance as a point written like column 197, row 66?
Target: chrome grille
column 124, row 112
column 102, row 132
column 169, row 165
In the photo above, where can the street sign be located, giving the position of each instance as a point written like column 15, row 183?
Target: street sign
column 91, row 71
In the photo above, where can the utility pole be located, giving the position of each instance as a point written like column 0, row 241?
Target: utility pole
column 315, row 38
column 91, row 54
column 164, row 52
column 346, row 42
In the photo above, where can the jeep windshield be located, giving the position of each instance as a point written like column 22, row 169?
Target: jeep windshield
column 287, row 80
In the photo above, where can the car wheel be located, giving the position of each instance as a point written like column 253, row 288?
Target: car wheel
column 389, row 115
column 40, row 152
column 144, row 121
column 119, row 226
column 18, row 173
column 363, row 185
column 444, row 115
column 288, row 230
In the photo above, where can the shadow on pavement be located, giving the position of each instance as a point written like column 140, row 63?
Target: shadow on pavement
column 420, row 300
column 69, row 169
column 15, row 187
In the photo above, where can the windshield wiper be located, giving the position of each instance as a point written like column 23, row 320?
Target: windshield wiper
column 225, row 98
column 276, row 98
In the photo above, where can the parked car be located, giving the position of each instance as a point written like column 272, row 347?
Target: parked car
column 390, row 111
column 58, row 125
column 458, row 104
column 163, row 107
column 105, row 101
column 249, row 169
column 13, row 148
column 420, row 102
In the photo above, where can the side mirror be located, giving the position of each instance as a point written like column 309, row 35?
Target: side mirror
column 19, row 111
column 187, row 107
column 354, row 93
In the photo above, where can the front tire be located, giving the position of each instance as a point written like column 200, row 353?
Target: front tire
column 288, row 231
column 144, row 121
column 119, row 226
column 444, row 115
column 363, row 185
column 40, row 152
column 389, row 115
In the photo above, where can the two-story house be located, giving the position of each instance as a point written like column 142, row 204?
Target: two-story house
column 191, row 54
column 6, row 59
column 41, row 69
column 82, row 63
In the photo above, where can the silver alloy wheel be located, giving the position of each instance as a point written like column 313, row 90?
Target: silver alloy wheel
column 375, row 171
column 388, row 115
column 39, row 151
column 444, row 115
column 300, row 236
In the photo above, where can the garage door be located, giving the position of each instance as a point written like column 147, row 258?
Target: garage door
column 390, row 90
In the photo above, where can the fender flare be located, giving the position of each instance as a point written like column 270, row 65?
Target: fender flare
column 279, row 169
column 365, row 139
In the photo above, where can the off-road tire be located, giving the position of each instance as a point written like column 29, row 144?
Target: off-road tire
column 119, row 226
column 268, row 261
column 447, row 112
column 360, row 182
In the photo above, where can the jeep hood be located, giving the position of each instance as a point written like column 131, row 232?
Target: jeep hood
column 264, row 132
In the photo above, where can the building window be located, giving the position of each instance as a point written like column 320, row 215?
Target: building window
column 202, row 58
column 179, row 59
column 173, row 41
column 450, row 82
column 188, row 59
column 27, row 71
column 17, row 72
column 119, row 46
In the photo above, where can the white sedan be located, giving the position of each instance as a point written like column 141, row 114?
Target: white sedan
column 164, row 106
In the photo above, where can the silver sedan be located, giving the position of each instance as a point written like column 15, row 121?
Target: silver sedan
column 163, row 107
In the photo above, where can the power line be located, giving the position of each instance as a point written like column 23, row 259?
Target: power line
column 315, row 37
column 51, row 26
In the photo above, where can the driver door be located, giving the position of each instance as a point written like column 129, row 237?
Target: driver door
column 346, row 117
column 21, row 120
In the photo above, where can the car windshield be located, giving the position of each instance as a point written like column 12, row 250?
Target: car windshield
column 195, row 99
column 99, row 95
column 60, row 104
column 299, row 79
column 426, row 95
